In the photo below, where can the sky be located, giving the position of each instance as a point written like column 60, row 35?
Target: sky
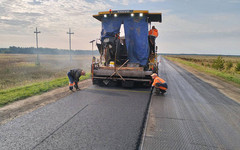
column 188, row 26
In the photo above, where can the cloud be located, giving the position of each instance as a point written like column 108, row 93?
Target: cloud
column 35, row 2
column 211, row 23
column 157, row 0
column 27, row 14
column 52, row 13
column 234, row 1
column 147, row 1
column 52, row 17
column 125, row 2
column 15, row 22
column 206, row 34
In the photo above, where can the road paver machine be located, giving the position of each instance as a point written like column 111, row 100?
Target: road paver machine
column 128, row 58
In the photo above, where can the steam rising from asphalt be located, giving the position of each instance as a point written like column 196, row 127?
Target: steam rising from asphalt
column 20, row 69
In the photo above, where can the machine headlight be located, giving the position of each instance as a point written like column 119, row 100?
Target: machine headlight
column 106, row 40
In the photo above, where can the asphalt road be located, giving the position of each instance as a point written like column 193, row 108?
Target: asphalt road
column 94, row 118
column 193, row 115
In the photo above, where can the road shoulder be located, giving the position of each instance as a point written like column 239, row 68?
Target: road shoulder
column 228, row 89
column 30, row 104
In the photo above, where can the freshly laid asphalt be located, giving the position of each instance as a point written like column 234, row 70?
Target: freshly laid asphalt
column 94, row 118
column 191, row 115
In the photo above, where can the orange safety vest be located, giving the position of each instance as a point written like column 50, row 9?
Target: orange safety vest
column 153, row 32
column 159, row 80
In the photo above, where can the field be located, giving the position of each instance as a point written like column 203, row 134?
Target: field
column 22, row 77
column 20, row 69
column 226, row 67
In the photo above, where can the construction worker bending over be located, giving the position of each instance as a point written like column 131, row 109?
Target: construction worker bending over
column 159, row 84
column 73, row 76
column 152, row 34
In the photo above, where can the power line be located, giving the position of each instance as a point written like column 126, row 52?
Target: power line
column 37, row 32
column 70, row 33
column 92, row 45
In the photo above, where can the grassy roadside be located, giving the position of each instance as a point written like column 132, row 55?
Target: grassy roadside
column 14, row 94
column 224, row 75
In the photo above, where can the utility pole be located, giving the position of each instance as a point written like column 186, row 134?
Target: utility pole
column 92, row 45
column 37, row 32
column 70, row 33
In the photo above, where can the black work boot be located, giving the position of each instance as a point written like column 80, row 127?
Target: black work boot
column 162, row 92
column 76, row 86
column 157, row 91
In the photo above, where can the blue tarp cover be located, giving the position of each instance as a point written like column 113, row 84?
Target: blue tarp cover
column 136, row 35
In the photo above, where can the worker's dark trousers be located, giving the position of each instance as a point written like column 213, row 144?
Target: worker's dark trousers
column 70, row 77
column 71, row 80
column 158, row 90
column 152, row 43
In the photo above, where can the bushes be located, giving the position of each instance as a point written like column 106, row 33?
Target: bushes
column 229, row 65
column 237, row 68
column 218, row 63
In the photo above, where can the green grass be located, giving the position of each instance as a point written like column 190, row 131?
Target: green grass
column 18, row 70
column 14, row 94
column 224, row 75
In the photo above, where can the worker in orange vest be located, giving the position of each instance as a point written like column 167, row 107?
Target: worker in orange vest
column 73, row 76
column 159, row 84
column 152, row 34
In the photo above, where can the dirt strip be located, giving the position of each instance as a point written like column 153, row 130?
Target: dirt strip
column 30, row 104
column 230, row 90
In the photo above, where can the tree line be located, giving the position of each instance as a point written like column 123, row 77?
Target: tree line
column 50, row 51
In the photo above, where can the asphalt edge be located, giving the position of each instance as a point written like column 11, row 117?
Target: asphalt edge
column 33, row 105
column 141, row 138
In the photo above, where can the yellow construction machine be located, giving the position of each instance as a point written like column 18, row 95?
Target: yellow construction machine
column 127, row 59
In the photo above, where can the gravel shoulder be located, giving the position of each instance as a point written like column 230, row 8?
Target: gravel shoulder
column 229, row 89
column 30, row 104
